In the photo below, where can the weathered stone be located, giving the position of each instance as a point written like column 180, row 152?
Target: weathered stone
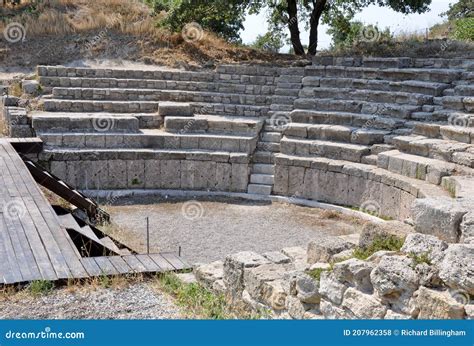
column 277, row 257
column 469, row 311
column 174, row 109
column 254, row 278
column 424, row 244
column 392, row 315
column 30, row 87
column 330, row 288
column 295, row 308
column 298, row 256
column 234, row 266
column 332, row 311
column 363, row 305
column 438, row 216
column 371, row 231
column 187, row 278
column 273, row 294
column 314, row 314
column 467, row 228
column 394, row 280
column 457, row 267
column 307, row 289
column 431, row 304
column 377, row 256
column 354, row 272
column 322, row 250
column 208, row 274
column 343, row 255
column 219, row 286
column 320, row 265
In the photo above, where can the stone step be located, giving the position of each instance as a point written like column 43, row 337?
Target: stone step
column 171, row 84
column 162, row 95
column 450, row 132
column 333, row 150
column 369, row 160
column 436, row 75
column 264, row 157
column 283, row 100
column 82, row 106
column 459, row 103
column 151, row 139
column 337, row 133
column 464, row 90
column 78, row 120
column 276, row 107
column 213, row 124
column 345, row 118
column 408, row 86
column 440, row 149
column 416, row 167
column 353, row 106
column 366, row 95
column 57, row 105
column 260, row 168
column 262, row 179
column 258, row 189
column 287, row 91
column 176, row 109
column 282, row 84
column 84, row 123
column 268, row 146
column 271, row 136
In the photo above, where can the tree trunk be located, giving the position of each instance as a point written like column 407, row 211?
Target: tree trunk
column 318, row 8
column 292, row 10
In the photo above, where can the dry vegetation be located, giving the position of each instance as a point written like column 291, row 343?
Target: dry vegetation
column 61, row 31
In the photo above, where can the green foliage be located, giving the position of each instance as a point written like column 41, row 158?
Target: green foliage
column 271, row 42
column 464, row 29
column 316, row 273
column 195, row 297
column 459, row 10
column 389, row 243
column 224, row 18
column 420, row 259
column 40, row 287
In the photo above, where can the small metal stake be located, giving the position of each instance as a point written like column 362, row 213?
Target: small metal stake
column 179, row 251
column 147, row 235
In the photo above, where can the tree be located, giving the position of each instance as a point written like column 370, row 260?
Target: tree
column 459, row 10
column 223, row 17
column 271, row 42
column 333, row 12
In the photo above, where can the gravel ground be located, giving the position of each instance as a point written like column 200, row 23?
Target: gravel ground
column 137, row 301
column 209, row 230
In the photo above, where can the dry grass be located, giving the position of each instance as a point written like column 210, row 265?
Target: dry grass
column 57, row 32
column 124, row 236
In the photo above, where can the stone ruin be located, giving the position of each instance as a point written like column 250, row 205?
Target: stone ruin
column 389, row 136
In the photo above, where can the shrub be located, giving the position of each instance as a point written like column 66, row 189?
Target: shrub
column 389, row 243
column 40, row 287
column 464, row 29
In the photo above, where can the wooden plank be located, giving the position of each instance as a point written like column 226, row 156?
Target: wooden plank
column 91, row 266
column 64, row 244
column 7, row 271
column 162, row 262
column 150, row 265
column 106, row 267
column 174, row 260
column 119, row 264
column 134, row 263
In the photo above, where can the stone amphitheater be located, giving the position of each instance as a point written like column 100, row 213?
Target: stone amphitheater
column 393, row 137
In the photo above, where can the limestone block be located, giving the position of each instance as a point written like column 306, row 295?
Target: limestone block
column 280, row 186
column 295, row 308
column 322, row 250
column 223, row 176
column 58, row 168
column 208, row 274
column 307, row 289
column 438, row 216
column 273, row 294
column 371, row 231
column 152, row 174
column 430, row 304
column 457, row 267
column 170, row 174
column 394, row 280
column 240, row 177
column 363, row 306
column 420, row 244
column 174, row 109
column 254, row 278
column 298, row 256
column 330, row 288
column 467, row 228
column 136, row 174
column 234, row 266
column 354, row 272
column 331, row 311
column 392, row 315
column 277, row 257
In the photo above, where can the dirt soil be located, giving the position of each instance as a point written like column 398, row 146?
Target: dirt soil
column 209, row 230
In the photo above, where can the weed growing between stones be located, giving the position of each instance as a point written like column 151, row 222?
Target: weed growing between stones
column 389, row 243
column 420, row 259
column 195, row 298
column 40, row 287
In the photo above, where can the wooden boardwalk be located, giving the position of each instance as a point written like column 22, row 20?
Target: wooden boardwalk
column 34, row 245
